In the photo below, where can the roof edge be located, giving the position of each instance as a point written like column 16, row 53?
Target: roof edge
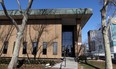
column 58, row 11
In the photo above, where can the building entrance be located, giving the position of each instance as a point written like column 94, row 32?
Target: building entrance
column 68, row 41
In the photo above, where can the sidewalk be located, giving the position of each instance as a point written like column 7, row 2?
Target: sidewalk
column 70, row 64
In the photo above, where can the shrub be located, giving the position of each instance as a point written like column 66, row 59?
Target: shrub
column 32, row 61
column 4, row 60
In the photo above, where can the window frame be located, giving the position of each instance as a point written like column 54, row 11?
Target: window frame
column 5, row 48
column 34, row 50
column 24, row 51
column 55, row 48
column 44, row 51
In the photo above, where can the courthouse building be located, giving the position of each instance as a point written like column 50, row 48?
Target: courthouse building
column 47, row 34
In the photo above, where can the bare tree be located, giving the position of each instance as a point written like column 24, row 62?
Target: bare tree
column 105, row 28
column 5, row 34
column 39, row 29
column 20, row 29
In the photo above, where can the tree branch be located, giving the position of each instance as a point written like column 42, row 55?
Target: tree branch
column 19, row 6
column 6, row 13
column 25, row 15
column 114, row 2
column 108, row 24
column 105, row 4
column 29, row 6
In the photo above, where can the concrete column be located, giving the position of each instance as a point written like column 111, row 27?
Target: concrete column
column 77, row 39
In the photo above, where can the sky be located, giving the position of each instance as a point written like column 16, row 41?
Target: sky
column 92, row 24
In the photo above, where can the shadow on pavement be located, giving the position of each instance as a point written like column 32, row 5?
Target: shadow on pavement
column 90, row 65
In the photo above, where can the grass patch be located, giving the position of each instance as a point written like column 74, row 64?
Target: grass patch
column 94, row 64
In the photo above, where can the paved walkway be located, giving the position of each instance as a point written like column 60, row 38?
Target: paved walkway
column 69, row 64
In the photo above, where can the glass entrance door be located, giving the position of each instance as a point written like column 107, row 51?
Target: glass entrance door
column 67, row 43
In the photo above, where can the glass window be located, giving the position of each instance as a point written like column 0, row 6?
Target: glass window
column 100, row 47
column 55, row 44
column 44, row 48
column 24, row 47
column 113, row 31
column 5, row 47
column 67, row 39
column 114, row 56
column 34, row 45
column 92, row 45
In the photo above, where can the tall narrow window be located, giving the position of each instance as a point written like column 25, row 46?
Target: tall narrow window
column 100, row 47
column 55, row 44
column 44, row 48
column 114, row 55
column 24, row 47
column 34, row 45
column 5, row 47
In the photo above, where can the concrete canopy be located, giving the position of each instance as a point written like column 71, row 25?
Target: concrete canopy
column 82, row 14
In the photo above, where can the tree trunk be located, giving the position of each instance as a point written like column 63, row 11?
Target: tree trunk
column 13, row 62
column 108, row 61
